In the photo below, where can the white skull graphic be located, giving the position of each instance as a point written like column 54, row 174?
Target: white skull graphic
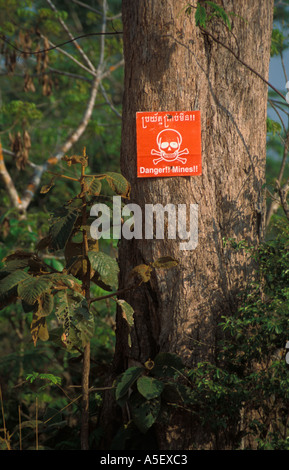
column 169, row 142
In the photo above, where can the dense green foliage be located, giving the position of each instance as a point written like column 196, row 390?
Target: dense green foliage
column 47, row 272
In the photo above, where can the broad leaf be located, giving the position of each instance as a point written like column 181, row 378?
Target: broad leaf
column 149, row 387
column 31, row 289
column 144, row 412
column 45, row 304
column 77, row 266
column 20, row 260
column 38, row 329
column 201, row 16
column 118, row 184
column 11, row 266
column 8, row 286
column 106, row 269
column 92, row 185
column 78, row 323
column 127, row 311
column 127, row 314
column 220, row 12
column 126, row 381
column 61, row 228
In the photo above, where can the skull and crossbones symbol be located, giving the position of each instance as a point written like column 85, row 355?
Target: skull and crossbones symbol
column 169, row 142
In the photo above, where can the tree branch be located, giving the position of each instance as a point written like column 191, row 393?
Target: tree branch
column 71, row 57
column 78, row 47
column 74, row 137
column 242, row 62
column 99, row 74
column 8, row 183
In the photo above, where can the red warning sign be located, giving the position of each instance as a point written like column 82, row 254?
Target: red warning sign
column 168, row 144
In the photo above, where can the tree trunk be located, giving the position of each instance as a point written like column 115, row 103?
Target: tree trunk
column 172, row 65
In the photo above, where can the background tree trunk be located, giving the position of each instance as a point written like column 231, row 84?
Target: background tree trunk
column 171, row 65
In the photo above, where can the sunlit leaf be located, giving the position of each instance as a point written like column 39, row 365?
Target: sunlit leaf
column 106, row 269
column 31, row 289
column 38, row 329
column 118, row 184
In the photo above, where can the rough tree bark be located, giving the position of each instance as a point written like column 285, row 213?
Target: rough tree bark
column 170, row 64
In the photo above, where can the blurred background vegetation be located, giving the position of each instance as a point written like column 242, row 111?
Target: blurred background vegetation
column 45, row 97
column 43, row 100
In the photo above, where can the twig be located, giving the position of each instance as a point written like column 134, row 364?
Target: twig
column 242, row 62
column 283, row 195
column 110, row 104
column 98, row 12
column 69, row 74
column 112, row 294
column 71, row 57
column 109, row 33
column 278, row 114
column 276, row 202
column 283, row 66
column 102, row 39
column 81, row 51
column 62, row 176
column 29, row 193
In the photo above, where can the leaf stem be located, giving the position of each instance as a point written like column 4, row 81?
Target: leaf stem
column 62, row 176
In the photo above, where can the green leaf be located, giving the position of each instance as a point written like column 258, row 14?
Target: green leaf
column 38, row 328
column 149, row 387
column 61, row 228
column 118, row 184
column 20, row 260
column 106, row 269
column 144, row 412
column 277, row 42
column 8, row 286
column 78, row 323
column 127, row 311
column 126, row 381
column 92, row 185
column 11, row 266
column 53, row 379
column 31, row 289
column 45, row 304
column 220, row 12
column 273, row 126
column 201, row 16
